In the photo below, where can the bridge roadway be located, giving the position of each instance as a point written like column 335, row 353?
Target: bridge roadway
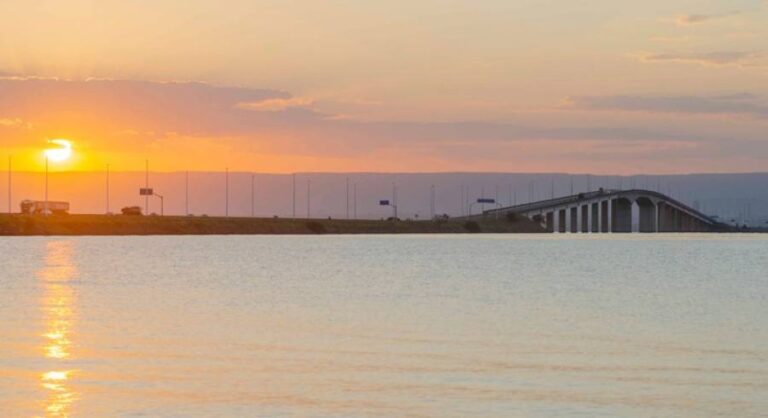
column 612, row 211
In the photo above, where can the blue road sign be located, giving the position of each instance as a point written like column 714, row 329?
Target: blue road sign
column 486, row 200
column 383, row 202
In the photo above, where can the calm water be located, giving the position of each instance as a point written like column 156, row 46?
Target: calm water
column 384, row 326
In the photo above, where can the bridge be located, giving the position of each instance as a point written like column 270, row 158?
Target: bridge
column 612, row 211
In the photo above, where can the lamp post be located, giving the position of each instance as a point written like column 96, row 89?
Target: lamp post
column 107, row 196
column 309, row 183
column 186, row 193
column 162, row 203
column 146, row 186
column 347, row 206
column 253, row 195
column 293, row 212
column 45, row 206
column 9, row 184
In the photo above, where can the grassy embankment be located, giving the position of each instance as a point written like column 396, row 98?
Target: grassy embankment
column 181, row 225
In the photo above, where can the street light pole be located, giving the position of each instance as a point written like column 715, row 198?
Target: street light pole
column 308, row 197
column 186, row 193
column 394, row 200
column 146, row 186
column 9, row 184
column 162, row 203
column 293, row 179
column 432, row 202
column 45, row 207
column 226, row 192
column 347, row 207
column 107, row 190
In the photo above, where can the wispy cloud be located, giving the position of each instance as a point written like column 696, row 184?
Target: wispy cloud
column 717, row 58
column 696, row 19
column 276, row 104
column 736, row 104
column 11, row 122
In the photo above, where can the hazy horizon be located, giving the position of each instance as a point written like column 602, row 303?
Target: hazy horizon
column 741, row 197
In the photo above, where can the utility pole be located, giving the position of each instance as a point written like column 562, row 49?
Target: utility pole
column 394, row 200
column 347, row 186
column 466, row 200
column 253, row 195
column 354, row 199
column 432, row 202
column 552, row 193
column 45, row 208
column 107, row 190
column 186, row 193
column 571, row 185
column 146, row 186
column 309, row 182
column 226, row 192
column 294, row 195
column 531, row 191
column 10, row 170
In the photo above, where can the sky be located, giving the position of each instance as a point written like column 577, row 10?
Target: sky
column 588, row 86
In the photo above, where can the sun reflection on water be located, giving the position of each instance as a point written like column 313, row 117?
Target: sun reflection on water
column 59, row 314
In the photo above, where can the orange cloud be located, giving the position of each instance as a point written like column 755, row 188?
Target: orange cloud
column 276, row 104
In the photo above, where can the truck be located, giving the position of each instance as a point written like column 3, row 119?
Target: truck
column 36, row 207
column 132, row 211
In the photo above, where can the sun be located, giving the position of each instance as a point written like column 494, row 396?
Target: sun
column 60, row 153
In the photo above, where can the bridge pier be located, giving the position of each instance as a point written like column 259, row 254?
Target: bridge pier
column 610, row 211
column 634, row 213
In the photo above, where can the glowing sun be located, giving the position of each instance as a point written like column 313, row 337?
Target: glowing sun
column 60, row 153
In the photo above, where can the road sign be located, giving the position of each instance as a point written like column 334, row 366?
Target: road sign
column 383, row 202
column 486, row 200
column 146, row 192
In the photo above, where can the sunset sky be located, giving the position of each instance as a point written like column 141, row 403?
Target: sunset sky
column 601, row 86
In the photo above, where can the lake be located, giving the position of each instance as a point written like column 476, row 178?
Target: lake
column 384, row 326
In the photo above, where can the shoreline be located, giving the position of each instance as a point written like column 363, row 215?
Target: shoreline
column 99, row 225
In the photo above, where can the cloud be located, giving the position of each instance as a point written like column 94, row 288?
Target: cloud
column 695, row 19
column 11, row 123
column 139, row 117
column 718, row 58
column 737, row 104
column 276, row 104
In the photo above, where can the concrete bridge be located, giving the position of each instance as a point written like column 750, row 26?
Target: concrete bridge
column 613, row 211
